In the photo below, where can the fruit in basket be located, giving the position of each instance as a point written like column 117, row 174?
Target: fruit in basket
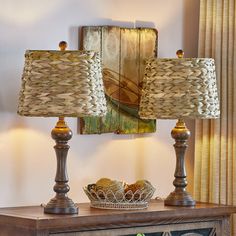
column 100, row 187
column 106, row 187
column 106, row 192
column 139, row 190
column 144, row 184
column 103, row 184
column 91, row 187
column 115, row 190
column 116, row 186
column 106, row 184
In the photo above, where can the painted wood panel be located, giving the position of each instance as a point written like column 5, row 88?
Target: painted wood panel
column 123, row 52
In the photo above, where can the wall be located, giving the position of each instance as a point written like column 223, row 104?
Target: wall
column 27, row 159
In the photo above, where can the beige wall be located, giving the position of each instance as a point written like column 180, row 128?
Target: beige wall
column 27, row 159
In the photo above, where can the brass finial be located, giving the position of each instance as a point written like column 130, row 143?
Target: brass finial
column 180, row 53
column 63, row 45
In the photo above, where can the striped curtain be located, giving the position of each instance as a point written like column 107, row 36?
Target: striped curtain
column 215, row 147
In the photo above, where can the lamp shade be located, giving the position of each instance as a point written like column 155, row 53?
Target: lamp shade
column 178, row 88
column 62, row 83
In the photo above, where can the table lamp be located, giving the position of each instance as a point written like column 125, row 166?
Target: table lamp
column 179, row 88
column 62, row 84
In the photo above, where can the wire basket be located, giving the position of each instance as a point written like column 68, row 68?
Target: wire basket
column 120, row 199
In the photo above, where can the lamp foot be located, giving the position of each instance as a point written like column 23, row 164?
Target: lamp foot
column 179, row 198
column 61, row 205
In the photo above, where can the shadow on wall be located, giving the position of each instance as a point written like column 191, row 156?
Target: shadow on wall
column 190, row 47
column 190, row 32
column 1, row 102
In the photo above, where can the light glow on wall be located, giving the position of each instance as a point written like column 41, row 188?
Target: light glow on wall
column 24, row 140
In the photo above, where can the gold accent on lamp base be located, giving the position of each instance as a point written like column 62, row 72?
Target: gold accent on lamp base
column 180, row 197
column 61, row 204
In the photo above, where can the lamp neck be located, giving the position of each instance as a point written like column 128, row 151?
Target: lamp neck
column 61, row 123
column 180, row 122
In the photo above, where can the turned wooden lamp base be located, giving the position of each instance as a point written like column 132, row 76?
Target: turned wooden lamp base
column 180, row 197
column 61, row 204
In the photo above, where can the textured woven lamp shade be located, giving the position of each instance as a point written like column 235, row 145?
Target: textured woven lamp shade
column 176, row 89
column 179, row 87
column 62, row 83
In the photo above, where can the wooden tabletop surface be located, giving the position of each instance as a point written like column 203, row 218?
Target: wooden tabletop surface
column 156, row 213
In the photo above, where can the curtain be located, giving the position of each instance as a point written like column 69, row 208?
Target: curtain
column 215, row 140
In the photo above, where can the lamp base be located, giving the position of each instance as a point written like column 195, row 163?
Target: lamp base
column 61, row 205
column 179, row 198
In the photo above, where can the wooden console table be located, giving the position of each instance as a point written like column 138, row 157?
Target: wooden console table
column 158, row 220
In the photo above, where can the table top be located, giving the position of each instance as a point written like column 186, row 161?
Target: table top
column 91, row 218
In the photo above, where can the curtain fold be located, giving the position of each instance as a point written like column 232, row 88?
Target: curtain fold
column 215, row 147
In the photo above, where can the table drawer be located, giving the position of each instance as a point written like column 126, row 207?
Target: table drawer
column 211, row 228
